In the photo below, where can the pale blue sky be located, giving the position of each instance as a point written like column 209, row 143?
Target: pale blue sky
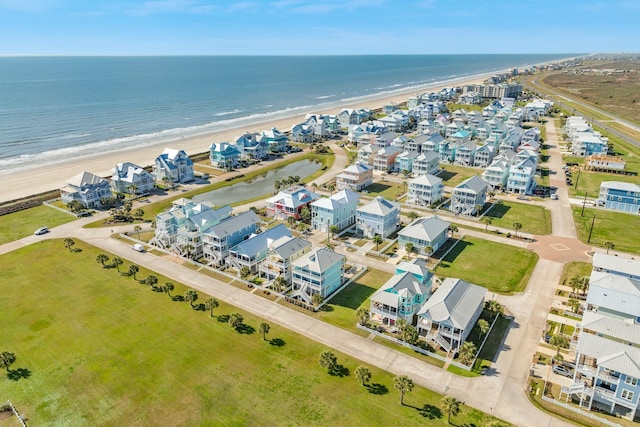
column 321, row 27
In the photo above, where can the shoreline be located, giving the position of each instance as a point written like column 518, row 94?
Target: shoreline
column 20, row 183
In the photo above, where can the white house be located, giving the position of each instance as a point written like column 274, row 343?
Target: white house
column 379, row 216
column 469, row 196
column 132, row 179
column 174, row 166
column 86, row 188
column 425, row 190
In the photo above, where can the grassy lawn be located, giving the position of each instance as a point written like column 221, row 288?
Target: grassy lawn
column 453, row 175
column 489, row 352
column 95, row 347
column 534, row 219
column 21, row 224
column 617, row 227
column 341, row 311
column 498, row 267
column 390, row 190
column 575, row 268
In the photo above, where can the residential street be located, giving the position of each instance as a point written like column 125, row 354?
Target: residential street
column 502, row 392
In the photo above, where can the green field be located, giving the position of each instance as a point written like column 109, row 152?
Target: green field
column 21, row 224
column 498, row 267
column 390, row 190
column 620, row 228
column 341, row 310
column 95, row 347
column 534, row 219
column 575, row 268
column 453, row 175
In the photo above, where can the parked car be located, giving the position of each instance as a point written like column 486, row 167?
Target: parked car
column 561, row 370
column 41, row 230
column 554, row 196
column 138, row 247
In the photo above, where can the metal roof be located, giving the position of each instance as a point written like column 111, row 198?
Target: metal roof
column 454, row 302
column 610, row 354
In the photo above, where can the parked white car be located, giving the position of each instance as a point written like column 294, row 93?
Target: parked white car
column 138, row 247
column 42, row 230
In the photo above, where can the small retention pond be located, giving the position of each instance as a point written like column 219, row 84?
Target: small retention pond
column 260, row 185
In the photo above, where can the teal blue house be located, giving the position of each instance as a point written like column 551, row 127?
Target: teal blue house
column 224, row 155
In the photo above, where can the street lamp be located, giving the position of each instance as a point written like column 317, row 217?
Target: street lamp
column 593, row 220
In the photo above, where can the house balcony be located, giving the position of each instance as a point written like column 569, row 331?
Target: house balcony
column 608, row 378
column 586, row 371
column 389, row 311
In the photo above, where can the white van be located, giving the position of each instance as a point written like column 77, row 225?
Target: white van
column 138, row 247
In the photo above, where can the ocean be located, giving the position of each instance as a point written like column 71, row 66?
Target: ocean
column 55, row 108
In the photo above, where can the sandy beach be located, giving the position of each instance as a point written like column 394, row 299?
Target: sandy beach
column 37, row 180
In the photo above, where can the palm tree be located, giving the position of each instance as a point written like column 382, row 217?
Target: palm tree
column 133, row 188
column 334, row 230
column 453, row 229
column 575, row 282
column 467, row 352
column 328, row 360
column 487, row 222
column 133, row 270
column 102, row 258
column 491, row 195
column 363, row 316
column 331, row 187
column 117, row 261
column 191, row 296
column 291, row 220
column 409, row 247
column 314, row 187
column 168, row 287
column 245, row 272
column 584, row 285
column 362, row 374
column 276, row 185
column 401, row 325
column 609, row 245
column 483, row 325
column 403, row 384
column 139, row 213
column 7, row 358
column 494, row 307
column 574, row 304
column 316, row 299
column 377, row 239
column 68, row 242
column 412, row 215
column 517, row 226
column 137, row 229
column 410, row 335
column 450, row 406
column 264, row 329
column 209, row 304
column 305, row 214
column 428, row 249
column 188, row 249
column 558, row 341
column 151, row 280
column 235, row 320
column 280, row 283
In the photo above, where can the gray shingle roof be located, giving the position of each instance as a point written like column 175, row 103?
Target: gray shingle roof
column 454, row 302
column 319, row 260
column 425, row 228
column 233, row 224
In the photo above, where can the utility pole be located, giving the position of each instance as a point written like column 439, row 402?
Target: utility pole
column 583, row 203
column 591, row 229
column 577, row 179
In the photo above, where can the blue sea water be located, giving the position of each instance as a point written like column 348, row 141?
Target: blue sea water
column 53, row 108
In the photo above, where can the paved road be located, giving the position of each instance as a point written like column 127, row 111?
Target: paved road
column 501, row 393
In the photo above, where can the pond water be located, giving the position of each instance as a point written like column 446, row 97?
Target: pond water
column 260, row 185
